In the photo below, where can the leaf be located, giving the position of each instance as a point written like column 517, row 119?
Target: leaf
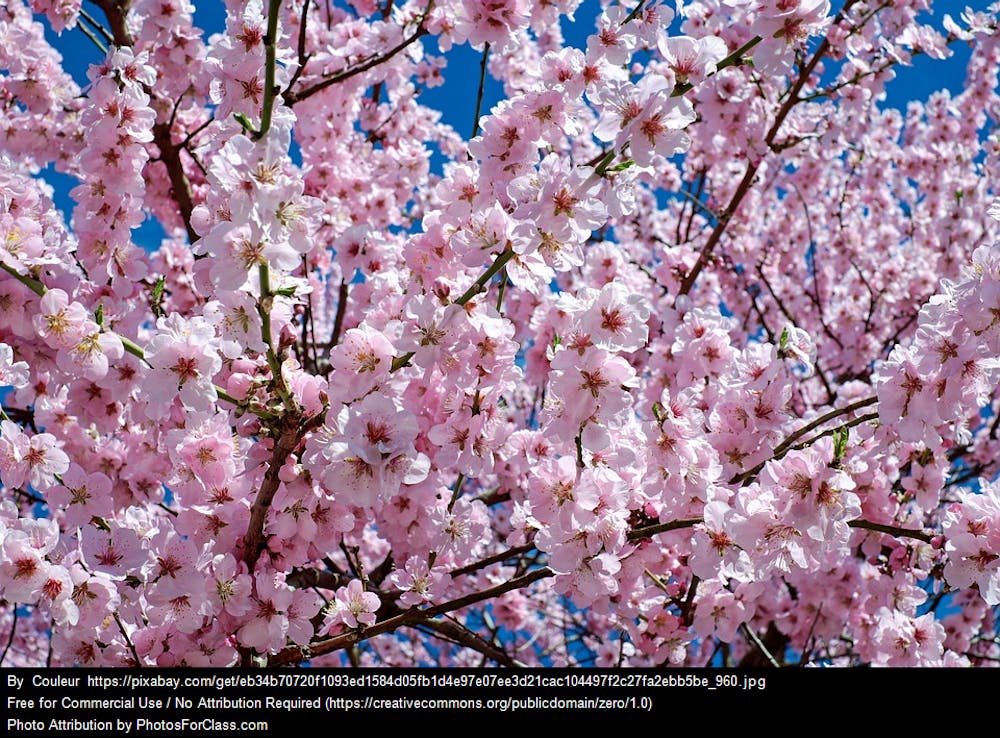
column 840, row 438
column 158, row 296
column 622, row 166
column 245, row 122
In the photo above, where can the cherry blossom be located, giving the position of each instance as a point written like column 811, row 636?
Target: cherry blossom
column 681, row 348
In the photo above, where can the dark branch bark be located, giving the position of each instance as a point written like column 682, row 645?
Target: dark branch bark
column 510, row 553
column 465, row 637
column 292, row 431
column 296, row 655
column 116, row 11
column 751, row 172
column 253, row 541
column 292, row 97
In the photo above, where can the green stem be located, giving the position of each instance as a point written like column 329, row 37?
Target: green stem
column 137, row 351
column 270, row 60
column 604, row 163
column 32, row 284
column 86, row 32
column 502, row 258
column 734, row 59
column 787, row 443
column 849, row 424
column 503, row 286
column 133, row 348
column 480, row 284
column 264, row 311
column 129, row 345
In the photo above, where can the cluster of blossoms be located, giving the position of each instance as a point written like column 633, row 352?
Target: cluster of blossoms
column 116, row 125
column 688, row 355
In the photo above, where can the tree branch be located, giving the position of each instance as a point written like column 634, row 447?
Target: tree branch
column 270, row 61
column 128, row 641
column 292, row 430
column 787, row 444
column 470, row 639
column 295, row 654
column 292, row 97
column 892, row 530
column 338, row 321
column 479, row 93
column 651, row 530
column 480, row 284
column 116, row 11
column 510, row 553
column 751, row 172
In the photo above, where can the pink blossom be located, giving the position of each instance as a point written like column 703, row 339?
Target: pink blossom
column 61, row 323
column 361, row 361
column 82, row 496
column 418, row 582
column 184, row 360
column 267, row 628
column 353, row 606
column 591, row 401
column 971, row 531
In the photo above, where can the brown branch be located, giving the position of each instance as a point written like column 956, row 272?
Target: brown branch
column 307, row 578
column 510, row 553
column 295, row 654
column 892, row 530
column 128, row 641
column 689, row 600
column 292, row 430
column 789, row 442
column 651, row 530
column 463, row 636
column 748, row 177
column 253, row 540
column 338, row 321
column 292, row 97
column 116, row 11
column 301, row 48
column 180, row 188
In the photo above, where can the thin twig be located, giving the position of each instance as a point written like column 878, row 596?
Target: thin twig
column 292, row 97
column 479, row 94
column 10, row 639
column 651, row 530
column 751, row 172
column 510, row 553
column 892, row 530
column 748, row 631
column 86, row 32
column 296, row 654
column 128, row 641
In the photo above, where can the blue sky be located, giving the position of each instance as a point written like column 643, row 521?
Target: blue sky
column 456, row 98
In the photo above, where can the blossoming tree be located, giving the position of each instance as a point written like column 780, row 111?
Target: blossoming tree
column 688, row 355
